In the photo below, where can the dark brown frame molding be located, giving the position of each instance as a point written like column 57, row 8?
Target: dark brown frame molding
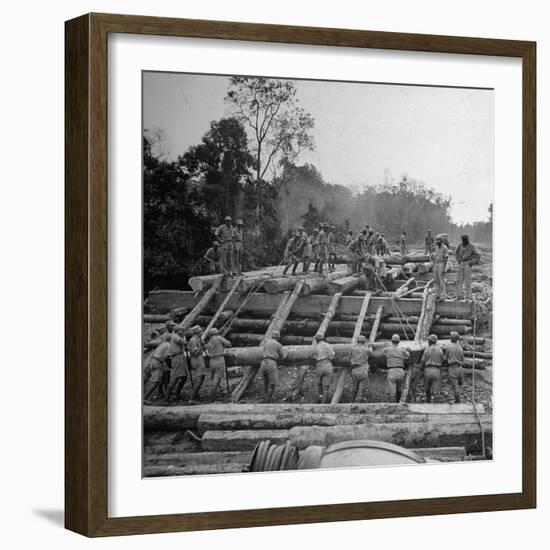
column 86, row 319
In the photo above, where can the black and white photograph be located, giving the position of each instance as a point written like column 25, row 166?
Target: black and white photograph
column 317, row 280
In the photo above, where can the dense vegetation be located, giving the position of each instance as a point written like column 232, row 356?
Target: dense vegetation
column 246, row 166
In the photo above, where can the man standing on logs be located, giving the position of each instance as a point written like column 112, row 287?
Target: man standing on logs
column 296, row 250
column 429, row 242
column 454, row 355
column 307, row 253
column 179, row 373
column 269, row 369
column 315, row 249
column 403, row 243
column 224, row 234
column 432, row 361
column 196, row 353
column 238, row 247
column 359, row 359
column 323, row 247
column 158, row 364
column 466, row 257
column 331, row 246
column 356, row 252
column 213, row 257
column 440, row 256
column 395, row 362
column 215, row 351
column 323, row 354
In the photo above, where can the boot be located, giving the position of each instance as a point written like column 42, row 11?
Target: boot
column 197, row 388
column 294, row 268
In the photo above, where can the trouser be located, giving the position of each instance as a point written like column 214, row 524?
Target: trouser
column 270, row 376
column 439, row 279
column 306, row 264
column 217, row 372
column 432, row 381
column 403, row 249
column 226, row 258
column 456, row 378
column 332, row 261
column 324, row 372
column 237, row 257
column 360, row 378
column 176, row 386
column 394, row 382
column 464, row 279
column 290, row 261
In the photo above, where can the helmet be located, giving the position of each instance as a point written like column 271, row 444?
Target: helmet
column 215, row 243
column 179, row 329
column 432, row 338
column 227, row 218
column 454, row 336
column 170, row 324
column 239, row 221
column 361, row 338
column 315, row 230
column 319, row 336
column 395, row 338
column 196, row 329
column 213, row 332
column 275, row 334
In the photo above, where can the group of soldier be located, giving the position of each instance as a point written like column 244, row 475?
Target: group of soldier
column 179, row 356
column 226, row 253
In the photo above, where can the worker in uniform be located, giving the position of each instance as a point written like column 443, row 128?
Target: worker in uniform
column 384, row 245
column 323, row 247
column 307, row 255
column 466, row 256
column 196, row 359
column 349, row 238
column 331, row 247
column 153, row 341
column 403, row 243
column 432, row 362
column 224, row 234
column 178, row 361
column 359, row 360
column 296, row 251
column 167, row 337
column 429, row 241
column 158, row 366
column 238, row 247
column 323, row 354
column 356, row 252
column 439, row 256
column 315, row 249
column 396, row 357
column 272, row 352
column 288, row 248
column 213, row 257
column 215, row 351
column 378, row 244
column 454, row 356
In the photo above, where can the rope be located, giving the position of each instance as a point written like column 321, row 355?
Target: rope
column 396, row 309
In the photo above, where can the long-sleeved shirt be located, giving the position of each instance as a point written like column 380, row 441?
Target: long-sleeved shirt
column 396, row 356
column 161, row 351
column 454, row 354
column 466, row 253
column 212, row 254
column 225, row 233
column 433, row 356
column 177, row 344
column 440, row 254
column 237, row 235
column 216, row 345
column 195, row 346
column 273, row 349
column 323, row 351
column 359, row 355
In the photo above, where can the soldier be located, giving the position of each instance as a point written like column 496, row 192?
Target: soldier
column 315, row 249
column 356, row 252
column 384, row 246
column 288, row 247
column 215, row 350
column 272, row 351
column 466, row 256
column 152, row 343
column 323, row 247
column 178, row 361
column 439, row 255
column 454, row 355
column 403, row 243
column 212, row 258
column 359, row 359
column 395, row 362
column 167, row 337
column 323, row 355
column 331, row 247
column 378, row 244
column 196, row 352
column 224, row 234
column 429, row 241
column 296, row 250
column 307, row 254
column 349, row 238
column 238, row 247
column 432, row 361
column 158, row 366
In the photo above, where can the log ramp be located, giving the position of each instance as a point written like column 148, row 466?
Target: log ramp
column 229, row 432
column 339, row 306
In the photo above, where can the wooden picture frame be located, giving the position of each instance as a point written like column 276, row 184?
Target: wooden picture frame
column 86, row 280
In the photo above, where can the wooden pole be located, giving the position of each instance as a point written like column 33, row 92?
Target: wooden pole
column 222, row 307
column 203, row 302
column 358, row 326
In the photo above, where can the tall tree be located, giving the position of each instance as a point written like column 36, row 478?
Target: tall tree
column 222, row 163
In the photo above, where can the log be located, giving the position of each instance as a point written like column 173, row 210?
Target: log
column 156, row 318
column 394, row 272
column 346, row 284
column 264, row 304
column 409, row 434
column 221, row 309
column 426, row 315
column 330, row 313
column 280, row 284
column 340, row 385
column 448, row 321
column 286, row 339
column 479, row 354
column 203, row 282
column 425, row 267
column 435, row 329
column 400, row 260
column 278, row 321
column 376, row 324
column 243, row 440
column 404, row 288
column 409, row 267
column 177, row 418
column 470, row 363
column 203, row 302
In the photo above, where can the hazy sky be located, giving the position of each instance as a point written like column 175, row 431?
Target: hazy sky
column 442, row 136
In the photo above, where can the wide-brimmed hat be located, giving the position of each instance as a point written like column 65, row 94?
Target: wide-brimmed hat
column 395, row 338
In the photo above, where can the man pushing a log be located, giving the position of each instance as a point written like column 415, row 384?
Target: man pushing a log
column 323, row 355
column 269, row 369
column 359, row 359
column 432, row 361
column 179, row 372
column 454, row 355
column 215, row 350
column 196, row 353
column 395, row 361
